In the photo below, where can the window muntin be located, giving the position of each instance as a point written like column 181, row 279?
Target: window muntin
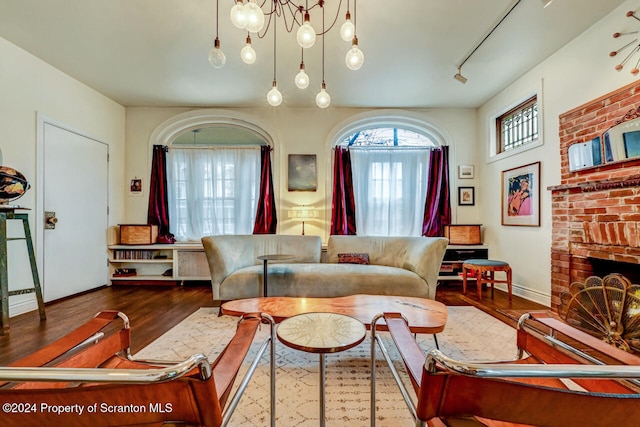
column 387, row 137
column 518, row 126
column 389, row 186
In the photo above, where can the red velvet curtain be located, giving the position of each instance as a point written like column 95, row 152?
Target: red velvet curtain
column 266, row 217
column 343, row 206
column 158, row 211
column 437, row 210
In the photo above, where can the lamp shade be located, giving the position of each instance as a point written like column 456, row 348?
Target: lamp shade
column 303, row 213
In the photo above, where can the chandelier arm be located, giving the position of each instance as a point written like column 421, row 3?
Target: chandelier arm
column 334, row 19
column 274, row 50
column 266, row 27
column 294, row 21
column 217, row 16
column 294, row 10
column 323, row 32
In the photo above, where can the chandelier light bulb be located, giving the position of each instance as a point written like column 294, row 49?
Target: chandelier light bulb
column 238, row 17
column 347, row 30
column 355, row 57
column 302, row 78
column 247, row 53
column 306, row 35
column 274, row 97
column 216, row 55
column 323, row 100
column 254, row 16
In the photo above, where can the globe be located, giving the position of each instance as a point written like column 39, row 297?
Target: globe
column 13, row 184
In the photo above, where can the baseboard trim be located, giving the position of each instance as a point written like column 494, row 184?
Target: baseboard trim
column 22, row 307
column 528, row 294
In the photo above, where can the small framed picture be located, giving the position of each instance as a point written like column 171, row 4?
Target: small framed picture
column 135, row 186
column 465, row 171
column 521, row 195
column 466, row 196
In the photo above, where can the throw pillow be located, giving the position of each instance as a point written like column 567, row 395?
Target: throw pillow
column 353, row 258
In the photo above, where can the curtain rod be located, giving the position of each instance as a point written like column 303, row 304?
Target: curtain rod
column 208, row 147
column 390, row 147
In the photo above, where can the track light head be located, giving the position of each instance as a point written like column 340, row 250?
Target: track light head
column 459, row 77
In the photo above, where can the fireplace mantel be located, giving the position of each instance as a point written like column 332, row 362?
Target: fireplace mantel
column 605, row 184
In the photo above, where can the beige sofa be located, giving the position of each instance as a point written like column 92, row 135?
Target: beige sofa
column 406, row 266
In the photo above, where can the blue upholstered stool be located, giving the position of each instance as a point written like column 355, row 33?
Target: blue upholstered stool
column 483, row 270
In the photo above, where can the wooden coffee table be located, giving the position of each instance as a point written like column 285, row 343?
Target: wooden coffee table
column 425, row 316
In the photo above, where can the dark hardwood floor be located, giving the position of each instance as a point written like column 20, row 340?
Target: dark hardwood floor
column 153, row 310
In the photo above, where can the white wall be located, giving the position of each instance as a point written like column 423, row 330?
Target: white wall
column 298, row 131
column 580, row 71
column 30, row 86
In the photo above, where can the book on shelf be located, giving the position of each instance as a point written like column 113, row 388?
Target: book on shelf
column 127, row 254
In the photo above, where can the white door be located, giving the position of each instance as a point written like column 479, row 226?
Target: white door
column 75, row 187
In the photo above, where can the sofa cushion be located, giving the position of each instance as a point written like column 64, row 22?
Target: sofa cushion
column 230, row 253
column 322, row 280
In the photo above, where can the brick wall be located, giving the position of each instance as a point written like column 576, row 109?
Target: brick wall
column 595, row 211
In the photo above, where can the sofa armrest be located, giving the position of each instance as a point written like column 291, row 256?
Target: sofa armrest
column 224, row 255
column 424, row 257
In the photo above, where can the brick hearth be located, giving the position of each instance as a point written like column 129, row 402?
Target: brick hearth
column 595, row 211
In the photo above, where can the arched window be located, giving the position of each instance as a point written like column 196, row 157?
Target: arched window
column 390, row 169
column 213, row 173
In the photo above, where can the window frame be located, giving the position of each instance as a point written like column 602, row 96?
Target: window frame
column 166, row 132
column 401, row 119
column 500, row 143
column 492, row 142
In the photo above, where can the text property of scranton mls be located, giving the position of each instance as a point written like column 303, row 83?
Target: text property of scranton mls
column 104, row 408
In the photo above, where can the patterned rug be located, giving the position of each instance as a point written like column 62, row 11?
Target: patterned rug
column 470, row 334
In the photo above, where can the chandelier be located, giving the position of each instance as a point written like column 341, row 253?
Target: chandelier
column 257, row 19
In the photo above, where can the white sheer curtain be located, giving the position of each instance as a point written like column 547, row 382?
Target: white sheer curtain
column 390, row 189
column 212, row 191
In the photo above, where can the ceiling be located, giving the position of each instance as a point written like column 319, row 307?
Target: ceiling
column 154, row 52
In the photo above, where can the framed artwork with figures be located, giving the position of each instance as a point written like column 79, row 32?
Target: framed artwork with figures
column 521, row 195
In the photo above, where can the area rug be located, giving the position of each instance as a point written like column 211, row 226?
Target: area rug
column 470, row 334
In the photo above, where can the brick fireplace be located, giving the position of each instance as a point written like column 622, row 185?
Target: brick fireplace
column 595, row 211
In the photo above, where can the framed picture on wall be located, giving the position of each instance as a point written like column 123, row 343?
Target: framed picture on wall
column 465, row 171
column 521, row 195
column 302, row 172
column 135, row 186
column 466, row 196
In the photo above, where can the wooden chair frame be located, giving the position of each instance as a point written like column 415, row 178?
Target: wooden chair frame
column 88, row 377
column 524, row 391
